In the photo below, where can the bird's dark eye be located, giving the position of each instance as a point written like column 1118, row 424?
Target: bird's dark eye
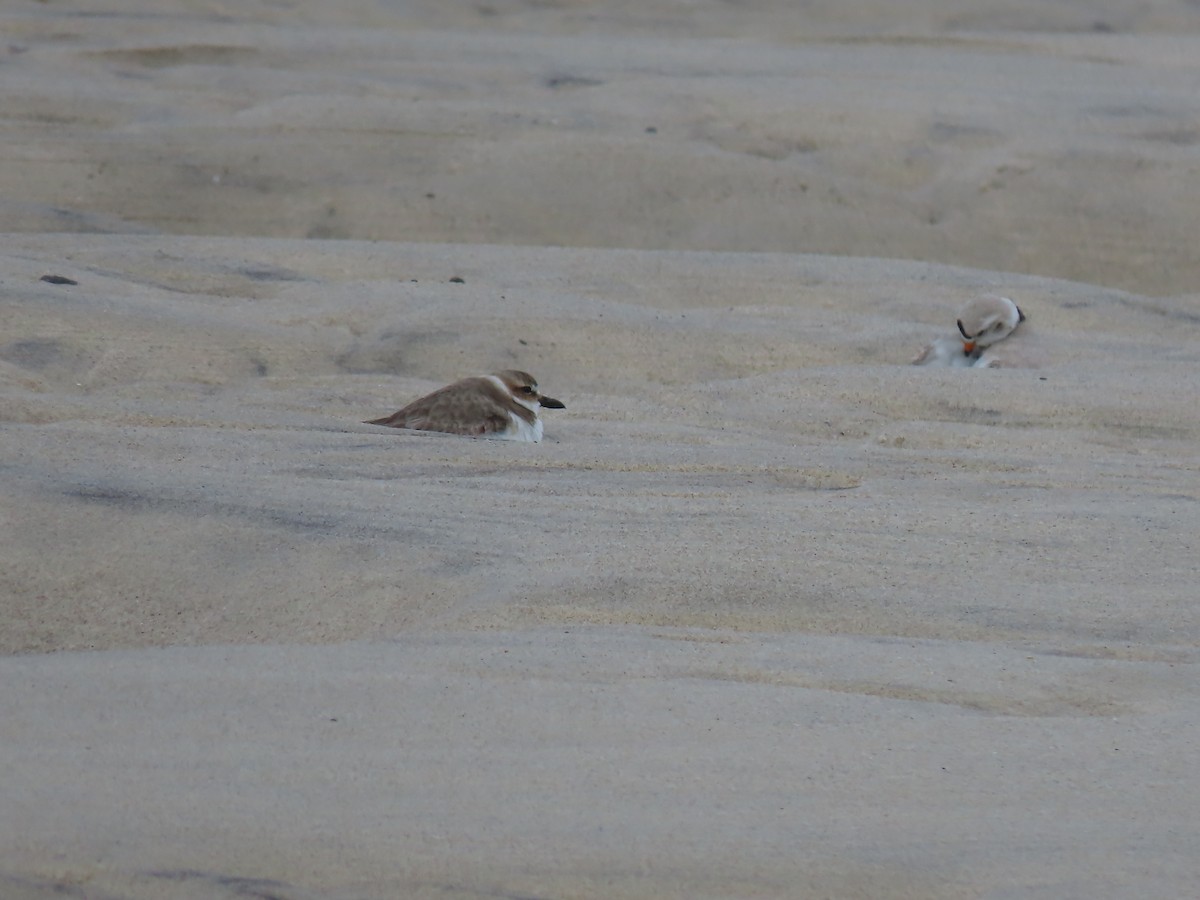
column 526, row 389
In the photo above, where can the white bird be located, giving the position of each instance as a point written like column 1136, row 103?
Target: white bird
column 504, row 405
column 983, row 322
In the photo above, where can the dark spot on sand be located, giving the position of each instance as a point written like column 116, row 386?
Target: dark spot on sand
column 1181, row 137
column 109, row 496
column 58, row 279
column 557, row 82
column 457, row 280
column 270, row 273
column 35, row 353
column 170, row 56
column 259, row 888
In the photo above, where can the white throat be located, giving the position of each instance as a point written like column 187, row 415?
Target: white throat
column 523, row 431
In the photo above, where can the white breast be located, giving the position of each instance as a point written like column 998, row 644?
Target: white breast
column 520, row 430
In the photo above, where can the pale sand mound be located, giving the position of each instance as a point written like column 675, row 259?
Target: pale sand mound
column 743, row 446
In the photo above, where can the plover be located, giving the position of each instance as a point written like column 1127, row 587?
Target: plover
column 504, row 405
column 983, row 322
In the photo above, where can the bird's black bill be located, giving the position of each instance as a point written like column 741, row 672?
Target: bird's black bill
column 551, row 403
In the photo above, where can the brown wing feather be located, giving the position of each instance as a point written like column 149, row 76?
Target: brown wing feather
column 458, row 408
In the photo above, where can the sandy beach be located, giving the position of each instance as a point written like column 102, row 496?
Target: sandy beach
column 769, row 612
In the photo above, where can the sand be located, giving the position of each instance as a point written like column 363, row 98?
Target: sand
column 768, row 613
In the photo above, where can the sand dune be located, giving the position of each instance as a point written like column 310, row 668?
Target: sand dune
column 1051, row 148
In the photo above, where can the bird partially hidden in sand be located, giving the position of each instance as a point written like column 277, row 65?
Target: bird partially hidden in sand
column 983, row 322
column 504, row 406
